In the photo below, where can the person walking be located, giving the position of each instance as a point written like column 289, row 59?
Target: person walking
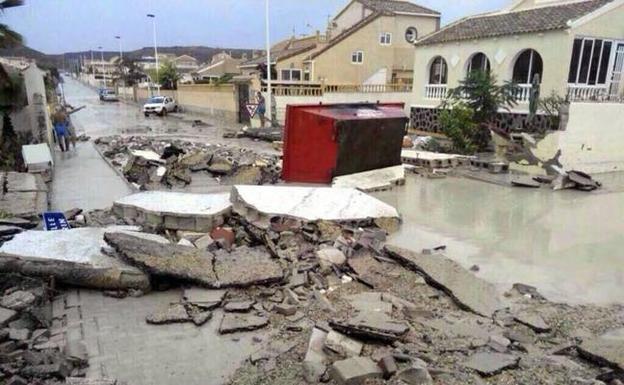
column 261, row 108
column 61, row 128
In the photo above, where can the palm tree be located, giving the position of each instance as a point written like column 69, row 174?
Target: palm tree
column 8, row 37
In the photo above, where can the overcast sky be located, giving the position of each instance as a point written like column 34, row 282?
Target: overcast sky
column 56, row 26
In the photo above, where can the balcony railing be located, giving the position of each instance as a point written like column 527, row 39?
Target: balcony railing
column 582, row 92
column 523, row 92
column 303, row 89
column 436, row 91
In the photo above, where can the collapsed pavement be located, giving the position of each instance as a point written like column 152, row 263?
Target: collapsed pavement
column 313, row 274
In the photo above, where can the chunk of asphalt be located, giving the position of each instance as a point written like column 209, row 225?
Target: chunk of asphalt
column 234, row 322
column 489, row 364
column 467, row 290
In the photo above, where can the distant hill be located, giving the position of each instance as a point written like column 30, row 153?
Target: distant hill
column 42, row 59
column 201, row 53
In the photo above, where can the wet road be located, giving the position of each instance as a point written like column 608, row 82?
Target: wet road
column 569, row 244
column 83, row 179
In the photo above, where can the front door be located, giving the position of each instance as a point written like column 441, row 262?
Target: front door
column 617, row 76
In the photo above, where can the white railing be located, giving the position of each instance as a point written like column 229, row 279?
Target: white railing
column 583, row 92
column 436, row 91
column 523, row 92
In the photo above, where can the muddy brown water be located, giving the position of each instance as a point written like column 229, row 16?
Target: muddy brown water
column 569, row 244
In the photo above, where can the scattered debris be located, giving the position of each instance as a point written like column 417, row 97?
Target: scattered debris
column 150, row 163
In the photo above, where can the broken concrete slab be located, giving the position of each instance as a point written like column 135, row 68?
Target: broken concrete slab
column 165, row 260
column 343, row 345
column 468, row 291
column 259, row 203
column 233, row 322
column 72, row 256
column 6, row 316
column 603, row 351
column 204, row 298
column 489, row 364
column 18, row 300
column 18, row 222
column 415, row 375
column 374, row 180
column 175, row 210
column 314, row 363
column 24, row 204
column 9, row 230
column 532, row 320
column 371, row 325
column 173, row 314
column 24, row 182
column 369, row 302
column 239, row 306
column 331, row 256
column 285, row 309
column 355, row 371
column 200, row 318
column 246, row 266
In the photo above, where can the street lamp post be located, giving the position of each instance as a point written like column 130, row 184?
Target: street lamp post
column 103, row 70
column 121, row 71
column 268, row 100
column 153, row 17
column 120, row 51
column 92, row 69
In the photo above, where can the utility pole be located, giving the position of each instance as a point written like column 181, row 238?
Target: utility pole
column 153, row 17
column 268, row 100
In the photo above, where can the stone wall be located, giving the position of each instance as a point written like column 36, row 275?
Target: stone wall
column 427, row 119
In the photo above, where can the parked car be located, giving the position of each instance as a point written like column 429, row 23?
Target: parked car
column 108, row 96
column 160, row 105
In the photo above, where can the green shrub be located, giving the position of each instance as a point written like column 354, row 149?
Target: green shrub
column 459, row 126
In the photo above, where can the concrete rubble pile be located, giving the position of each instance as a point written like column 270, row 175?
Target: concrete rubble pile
column 307, row 272
column 34, row 348
column 150, row 163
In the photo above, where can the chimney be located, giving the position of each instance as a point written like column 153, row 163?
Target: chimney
column 318, row 36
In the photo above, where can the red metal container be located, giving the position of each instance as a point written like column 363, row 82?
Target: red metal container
column 323, row 141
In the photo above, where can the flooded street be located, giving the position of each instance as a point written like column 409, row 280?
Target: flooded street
column 567, row 243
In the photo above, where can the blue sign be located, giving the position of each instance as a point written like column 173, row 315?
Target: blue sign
column 55, row 221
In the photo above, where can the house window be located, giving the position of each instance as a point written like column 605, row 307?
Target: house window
column 478, row 62
column 438, row 72
column 528, row 64
column 590, row 61
column 385, row 38
column 291, row 75
column 411, row 34
column 357, row 57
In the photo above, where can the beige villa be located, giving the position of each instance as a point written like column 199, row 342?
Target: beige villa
column 576, row 47
column 369, row 42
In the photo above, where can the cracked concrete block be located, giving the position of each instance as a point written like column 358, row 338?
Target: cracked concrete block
column 355, row 371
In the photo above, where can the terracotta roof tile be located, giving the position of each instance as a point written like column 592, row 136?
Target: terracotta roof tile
column 397, row 6
column 511, row 23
